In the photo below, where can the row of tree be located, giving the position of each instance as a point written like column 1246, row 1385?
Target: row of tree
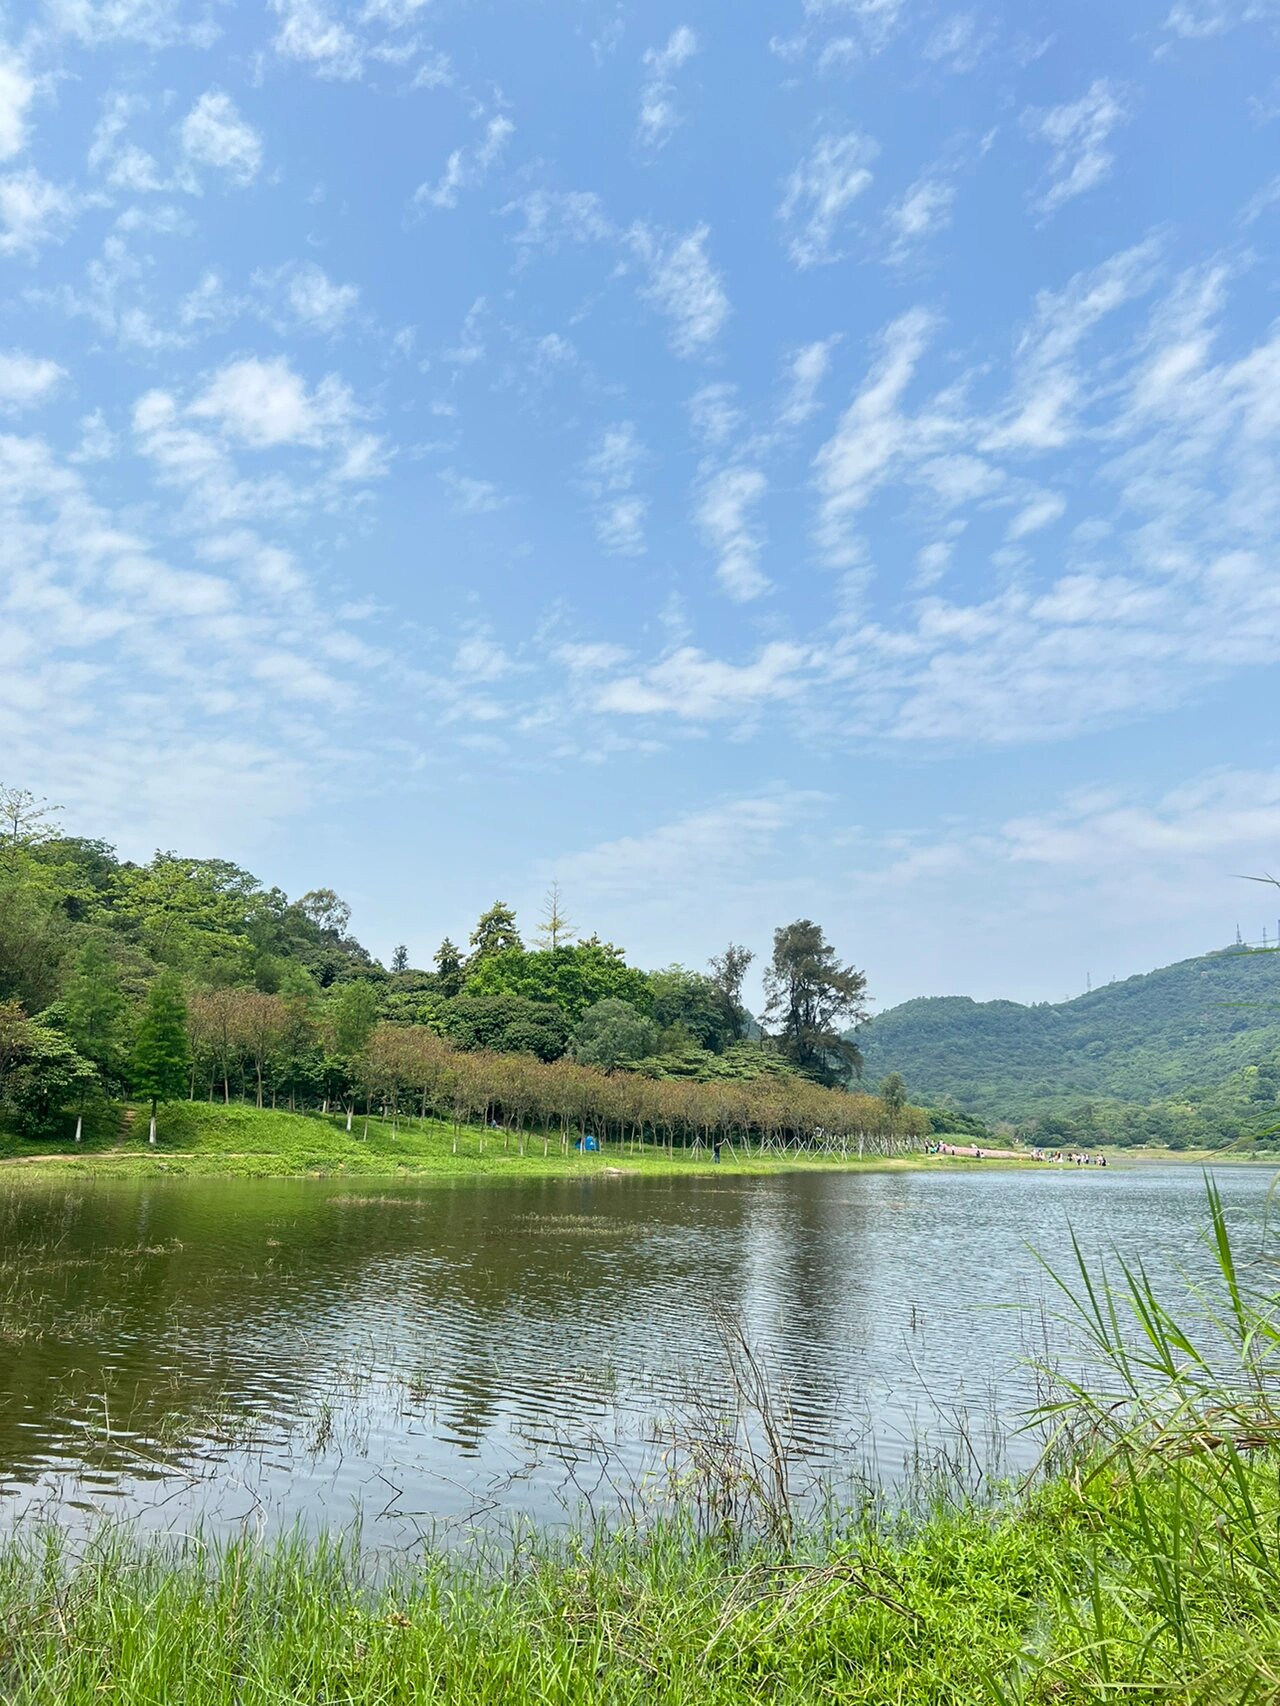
column 271, row 1048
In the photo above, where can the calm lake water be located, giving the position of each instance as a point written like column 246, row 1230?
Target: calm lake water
column 438, row 1358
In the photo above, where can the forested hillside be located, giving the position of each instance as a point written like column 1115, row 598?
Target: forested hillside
column 1188, row 1054
column 183, row 977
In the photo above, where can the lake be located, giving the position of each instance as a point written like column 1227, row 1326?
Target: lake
column 437, row 1359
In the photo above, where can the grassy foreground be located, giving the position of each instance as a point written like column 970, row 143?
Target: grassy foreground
column 240, row 1141
column 1070, row 1596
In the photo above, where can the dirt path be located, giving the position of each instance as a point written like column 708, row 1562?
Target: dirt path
column 974, row 1152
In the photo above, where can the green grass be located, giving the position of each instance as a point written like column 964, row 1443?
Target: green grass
column 1054, row 1599
column 241, row 1141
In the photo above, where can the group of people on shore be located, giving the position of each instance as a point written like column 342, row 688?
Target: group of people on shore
column 1058, row 1157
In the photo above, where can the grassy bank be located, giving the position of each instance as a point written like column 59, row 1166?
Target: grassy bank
column 1063, row 1597
column 240, row 1141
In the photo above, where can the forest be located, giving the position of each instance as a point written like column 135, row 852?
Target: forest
column 186, row 978
column 1187, row 1056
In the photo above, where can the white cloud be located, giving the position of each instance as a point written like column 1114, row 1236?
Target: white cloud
column 26, row 380
column 470, row 496
column 265, row 403
column 820, row 191
column 315, row 301
column 923, row 211
column 95, row 23
column 310, row 34
column 684, row 285
column 33, row 212
column 154, row 684
column 870, row 434
column 806, row 369
column 1050, row 387
column 720, row 841
column 714, row 414
column 480, row 658
column 467, row 167
column 610, row 474
column 553, row 217
column 958, row 43
column 214, row 134
column 872, row 22
column 1227, row 817
column 725, row 521
column 933, row 562
column 1078, row 134
column 1197, row 20
column 1041, row 511
column 1106, row 881
column 589, row 657
column 658, row 114
column 690, row 685
column 16, row 91
column 97, row 441
column 123, row 164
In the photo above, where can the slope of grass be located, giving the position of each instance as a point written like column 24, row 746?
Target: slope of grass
column 237, row 1140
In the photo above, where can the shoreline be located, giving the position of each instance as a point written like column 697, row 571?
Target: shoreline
column 235, row 1141
column 202, row 1140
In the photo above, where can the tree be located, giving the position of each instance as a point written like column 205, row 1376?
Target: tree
column 688, row 1007
column 326, row 910
column 39, row 1069
column 353, row 1013
column 495, row 932
column 728, row 971
column 612, row 1032
column 574, row 978
column 400, row 958
column 507, row 1024
column 193, row 913
column 809, row 995
column 160, row 1049
column 893, row 1093
column 555, row 931
column 50, row 1077
column 449, row 968
column 95, row 1008
column 24, row 821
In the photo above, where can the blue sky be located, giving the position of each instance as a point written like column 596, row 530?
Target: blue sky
column 741, row 462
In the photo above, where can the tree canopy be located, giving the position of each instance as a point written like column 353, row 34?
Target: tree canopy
column 810, row 996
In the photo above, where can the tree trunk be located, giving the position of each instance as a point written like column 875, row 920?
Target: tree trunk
column 151, row 1135
column 351, row 1108
column 79, row 1126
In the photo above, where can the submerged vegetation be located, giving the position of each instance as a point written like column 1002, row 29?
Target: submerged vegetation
column 1143, row 1565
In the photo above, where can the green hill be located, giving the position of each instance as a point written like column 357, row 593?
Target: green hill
column 1199, row 1041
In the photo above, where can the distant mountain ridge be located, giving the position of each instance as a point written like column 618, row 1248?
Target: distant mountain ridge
column 1147, row 1039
